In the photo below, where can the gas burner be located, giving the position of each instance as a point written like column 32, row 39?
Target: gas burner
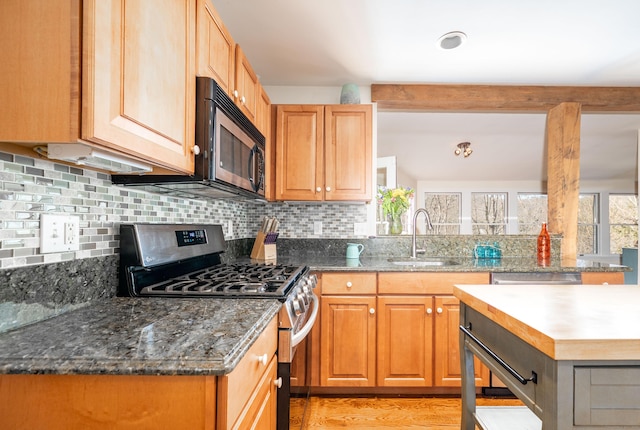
column 230, row 280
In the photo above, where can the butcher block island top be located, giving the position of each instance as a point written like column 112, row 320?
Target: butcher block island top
column 565, row 322
column 571, row 353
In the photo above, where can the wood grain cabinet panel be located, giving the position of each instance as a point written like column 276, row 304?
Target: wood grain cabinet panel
column 216, row 48
column 139, row 79
column 323, row 153
column 348, row 344
column 115, row 402
column 405, row 341
column 602, row 278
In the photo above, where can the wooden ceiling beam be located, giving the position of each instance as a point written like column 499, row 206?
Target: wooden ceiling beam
column 492, row 98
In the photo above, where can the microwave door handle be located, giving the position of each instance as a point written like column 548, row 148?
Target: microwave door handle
column 254, row 162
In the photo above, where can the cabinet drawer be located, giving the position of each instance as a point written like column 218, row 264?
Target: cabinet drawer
column 236, row 388
column 427, row 283
column 349, row 283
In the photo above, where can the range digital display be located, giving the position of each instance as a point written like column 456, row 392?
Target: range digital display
column 191, row 237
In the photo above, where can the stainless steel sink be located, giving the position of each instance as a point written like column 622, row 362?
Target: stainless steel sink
column 423, row 262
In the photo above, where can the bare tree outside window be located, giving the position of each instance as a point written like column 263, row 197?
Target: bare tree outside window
column 623, row 222
column 489, row 213
column 445, row 212
column 532, row 212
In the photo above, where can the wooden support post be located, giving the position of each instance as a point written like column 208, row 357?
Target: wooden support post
column 563, row 175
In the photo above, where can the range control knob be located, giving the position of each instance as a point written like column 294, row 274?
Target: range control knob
column 297, row 307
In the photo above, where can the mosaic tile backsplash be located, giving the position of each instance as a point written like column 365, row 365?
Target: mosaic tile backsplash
column 34, row 286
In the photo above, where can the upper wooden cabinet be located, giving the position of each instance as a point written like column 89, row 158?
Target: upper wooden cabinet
column 323, row 152
column 221, row 59
column 139, row 79
column 101, row 72
column 216, row 48
column 247, row 89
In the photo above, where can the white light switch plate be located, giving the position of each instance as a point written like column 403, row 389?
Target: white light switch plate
column 360, row 228
column 317, row 227
column 59, row 233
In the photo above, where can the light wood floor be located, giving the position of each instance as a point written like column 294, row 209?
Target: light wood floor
column 436, row 413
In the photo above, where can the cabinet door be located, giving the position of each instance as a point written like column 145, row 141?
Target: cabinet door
column 246, row 91
column 348, row 344
column 139, row 79
column 261, row 412
column 405, row 341
column 348, row 147
column 299, row 152
column 40, row 41
column 215, row 47
column 447, row 357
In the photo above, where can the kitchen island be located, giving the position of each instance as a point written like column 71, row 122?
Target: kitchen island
column 570, row 353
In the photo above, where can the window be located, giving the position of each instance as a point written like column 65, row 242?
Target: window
column 489, row 213
column 623, row 222
column 588, row 223
column 532, row 212
column 445, row 212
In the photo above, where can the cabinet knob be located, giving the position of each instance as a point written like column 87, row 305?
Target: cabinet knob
column 328, row 189
column 318, row 189
column 278, row 382
column 243, row 99
column 349, row 284
column 439, row 310
column 195, row 150
column 262, row 359
column 429, row 311
column 605, row 283
column 372, row 311
column 235, row 94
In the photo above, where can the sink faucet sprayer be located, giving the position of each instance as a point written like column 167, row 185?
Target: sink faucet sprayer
column 413, row 238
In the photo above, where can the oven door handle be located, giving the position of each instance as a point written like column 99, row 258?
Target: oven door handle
column 299, row 336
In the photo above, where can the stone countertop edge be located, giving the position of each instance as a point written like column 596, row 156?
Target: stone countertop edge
column 384, row 264
column 140, row 336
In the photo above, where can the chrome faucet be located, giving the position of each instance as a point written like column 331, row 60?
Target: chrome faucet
column 413, row 238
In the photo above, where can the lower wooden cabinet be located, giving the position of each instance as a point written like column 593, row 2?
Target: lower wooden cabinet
column 392, row 330
column 114, row 402
column 243, row 399
column 405, row 341
column 247, row 396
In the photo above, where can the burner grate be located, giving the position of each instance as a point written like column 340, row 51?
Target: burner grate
column 230, row 280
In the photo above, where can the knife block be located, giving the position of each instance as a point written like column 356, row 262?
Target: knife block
column 264, row 248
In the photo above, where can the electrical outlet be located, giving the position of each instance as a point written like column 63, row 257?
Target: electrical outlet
column 317, row 227
column 59, row 233
column 229, row 228
column 360, row 228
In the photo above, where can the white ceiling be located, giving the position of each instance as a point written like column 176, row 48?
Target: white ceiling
column 529, row 42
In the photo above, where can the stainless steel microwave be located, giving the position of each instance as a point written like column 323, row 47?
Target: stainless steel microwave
column 231, row 159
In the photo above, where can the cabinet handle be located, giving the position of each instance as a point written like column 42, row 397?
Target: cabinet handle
column 439, row 310
column 262, row 359
column 372, row 311
column 278, row 382
column 195, row 150
column 349, row 284
column 429, row 311
column 318, row 189
column 328, row 189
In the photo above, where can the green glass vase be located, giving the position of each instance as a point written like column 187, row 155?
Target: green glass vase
column 395, row 224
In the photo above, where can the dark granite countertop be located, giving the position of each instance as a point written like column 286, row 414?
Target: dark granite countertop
column 149, row 336
column 385, row 264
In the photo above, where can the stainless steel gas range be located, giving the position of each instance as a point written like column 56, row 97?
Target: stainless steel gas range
column 183, row 260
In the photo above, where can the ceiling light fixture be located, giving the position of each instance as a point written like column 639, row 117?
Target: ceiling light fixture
column 451, row 40
column 464, row 149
